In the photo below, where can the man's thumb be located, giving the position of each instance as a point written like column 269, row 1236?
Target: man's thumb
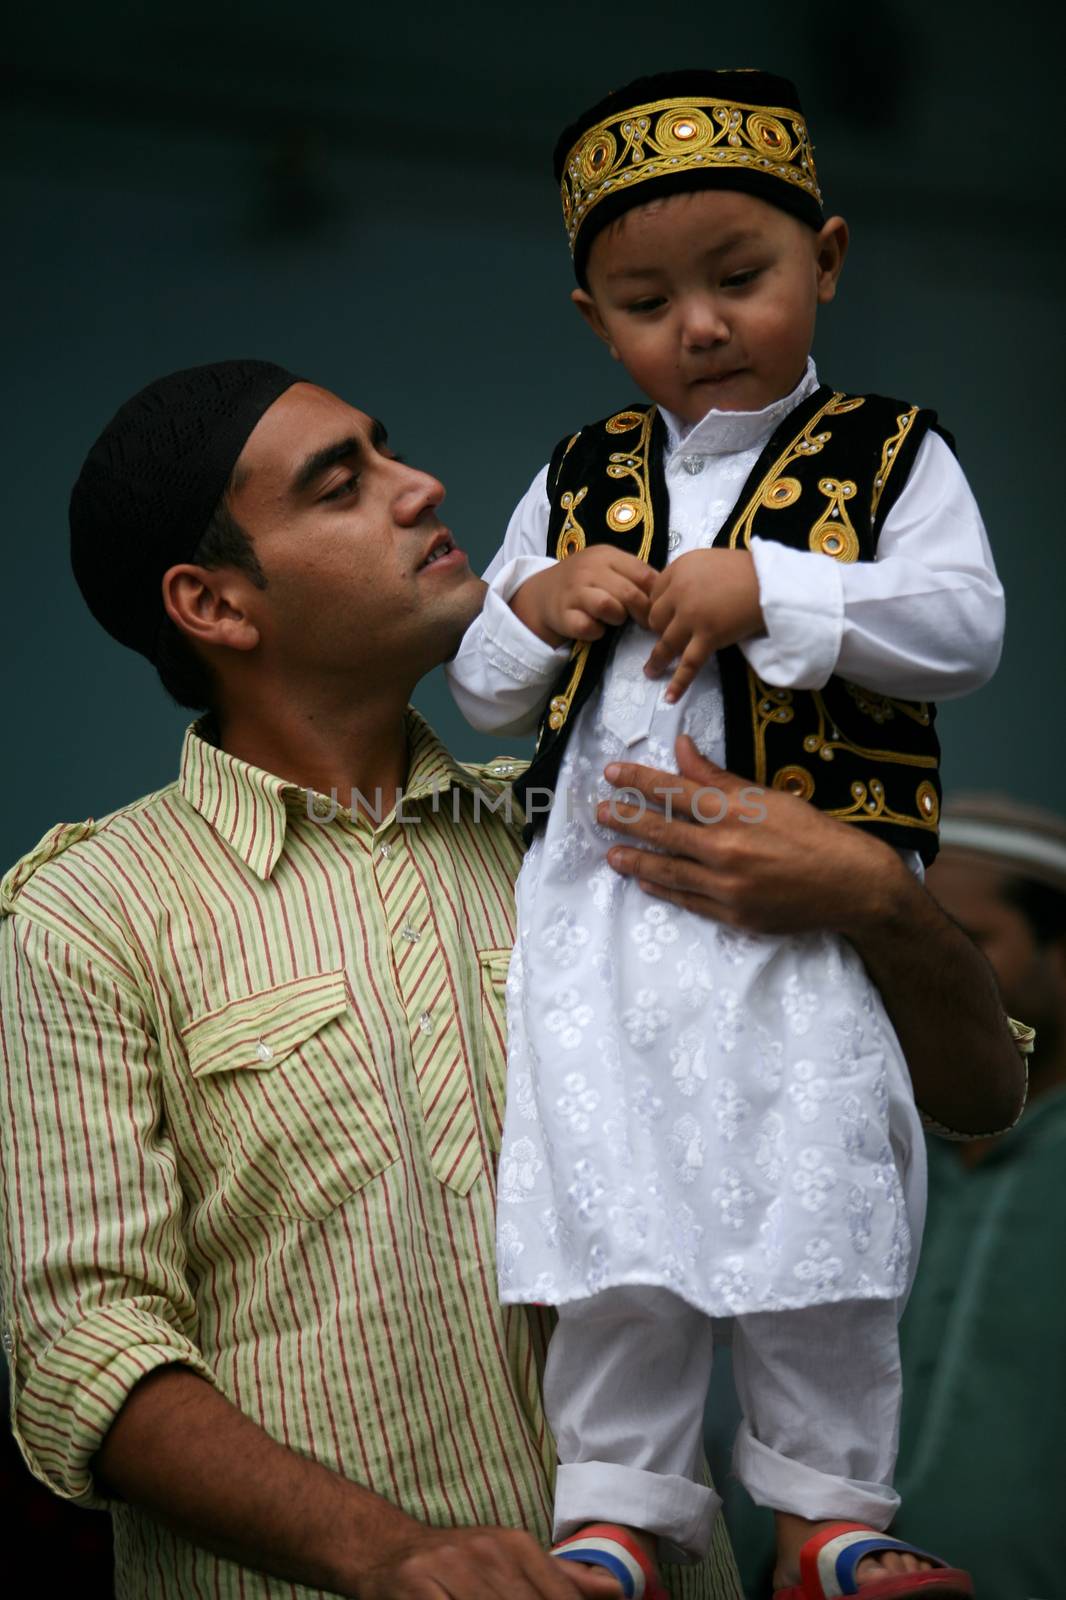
column 698, row 768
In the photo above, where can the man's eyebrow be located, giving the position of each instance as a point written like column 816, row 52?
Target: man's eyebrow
column 349, row 449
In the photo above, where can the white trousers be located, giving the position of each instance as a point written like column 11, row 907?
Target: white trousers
column 624, row 1391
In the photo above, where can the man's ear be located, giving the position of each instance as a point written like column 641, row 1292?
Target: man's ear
column 208, row 604
column 591, row 313
column 830, row 249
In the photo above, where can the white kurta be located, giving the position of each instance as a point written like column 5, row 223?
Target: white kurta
column 723, row 1115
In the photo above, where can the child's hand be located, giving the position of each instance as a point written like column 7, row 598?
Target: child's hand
column 702, row 602
column 580, row 597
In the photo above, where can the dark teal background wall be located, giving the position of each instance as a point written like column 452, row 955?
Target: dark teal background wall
column 364, row 195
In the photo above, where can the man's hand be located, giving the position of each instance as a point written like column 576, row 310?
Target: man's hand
column 754, row 858
column 581, row 597
column 476, row 1563
column 703, row 601
column 795, row 870
column 190, row 1458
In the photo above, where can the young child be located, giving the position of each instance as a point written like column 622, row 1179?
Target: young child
column 702, row 1123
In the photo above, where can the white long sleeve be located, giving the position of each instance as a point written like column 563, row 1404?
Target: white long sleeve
column 924, row 621
column 502, row 670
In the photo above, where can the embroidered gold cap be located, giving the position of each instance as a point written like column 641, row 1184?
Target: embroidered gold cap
column 738, row 129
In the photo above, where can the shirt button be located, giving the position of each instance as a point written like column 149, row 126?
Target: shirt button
column 320, row 805
column 8, row 1341
column 425, row 1022
column 385, row 852
column 674, row 541
column 694, row 465
column 264, row 1051
column 502, row 769
column 412, row 935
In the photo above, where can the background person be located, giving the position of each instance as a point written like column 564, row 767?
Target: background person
column 985, row 1328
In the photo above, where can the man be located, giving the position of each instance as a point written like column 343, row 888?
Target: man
column 984, row 1332
column 253, row 1036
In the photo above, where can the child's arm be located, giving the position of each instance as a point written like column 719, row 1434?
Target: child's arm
column 923, row 621
column 502, row 670
column 534, row 607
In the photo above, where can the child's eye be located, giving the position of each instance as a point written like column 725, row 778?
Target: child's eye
column 652, row 303
column 740, row 280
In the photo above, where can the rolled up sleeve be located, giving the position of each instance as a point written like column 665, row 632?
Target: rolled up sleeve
column 94, row 1287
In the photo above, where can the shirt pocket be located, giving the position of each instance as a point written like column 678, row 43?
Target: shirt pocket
column 494, row 965
column 294, row 1097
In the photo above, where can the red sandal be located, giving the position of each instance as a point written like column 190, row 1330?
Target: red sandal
column 828, row 1561
column 605, row 1544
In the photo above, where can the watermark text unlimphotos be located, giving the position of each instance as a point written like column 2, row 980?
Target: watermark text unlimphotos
column 707, row 804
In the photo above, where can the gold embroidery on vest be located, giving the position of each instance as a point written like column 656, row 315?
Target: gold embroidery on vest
column 870, row 805
column 882, row 707
column 629, row 512
column 824, row 743
column 635, row 509
column 572, row 534
column 777, row 490
column 772, row 707
column 767, row 706
column 794, row 780
column 889, row 457
column 833, row 534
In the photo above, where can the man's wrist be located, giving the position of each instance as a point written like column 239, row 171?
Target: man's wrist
column 886, row 901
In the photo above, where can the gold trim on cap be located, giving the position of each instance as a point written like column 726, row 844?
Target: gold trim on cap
column 683, row 135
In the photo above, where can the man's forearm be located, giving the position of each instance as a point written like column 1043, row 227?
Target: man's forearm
column 773, row 864
column 174, row 1450
column 181, row 1452
column 942, row 998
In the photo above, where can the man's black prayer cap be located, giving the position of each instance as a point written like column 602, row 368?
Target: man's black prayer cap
column 151, row 483
column 696, row 129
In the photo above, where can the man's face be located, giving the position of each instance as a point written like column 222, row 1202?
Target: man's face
column 708, row 299
column 971, row 891
column 362, row 575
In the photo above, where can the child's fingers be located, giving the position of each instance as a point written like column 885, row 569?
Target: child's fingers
column 696, row 652
column 660, row 612
column 578, row 624
column 605, row 605
column 637, row 603
column 631, row 567
column 590, row 612
column 668, row 647
column 660, row 583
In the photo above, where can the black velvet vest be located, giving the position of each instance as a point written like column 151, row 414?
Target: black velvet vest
column 825, row 482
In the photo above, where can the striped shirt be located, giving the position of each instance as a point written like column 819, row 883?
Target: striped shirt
column 251, row 1092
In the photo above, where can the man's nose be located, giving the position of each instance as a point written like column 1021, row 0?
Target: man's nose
column 418, row 492
column 703, row 323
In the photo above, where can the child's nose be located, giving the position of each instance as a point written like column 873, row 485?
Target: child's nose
column 704, row 323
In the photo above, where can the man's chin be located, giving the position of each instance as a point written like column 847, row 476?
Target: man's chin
column 468, row 606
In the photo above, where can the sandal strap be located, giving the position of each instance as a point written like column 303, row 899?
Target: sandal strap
column 828, row 1560
column 610, row 1547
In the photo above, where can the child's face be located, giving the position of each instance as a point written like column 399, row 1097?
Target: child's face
column 708, row 299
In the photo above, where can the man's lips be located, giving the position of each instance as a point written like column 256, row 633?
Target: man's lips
column 442, row 552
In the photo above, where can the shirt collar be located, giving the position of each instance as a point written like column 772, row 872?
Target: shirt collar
column 723, row 432
column 251, row 809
